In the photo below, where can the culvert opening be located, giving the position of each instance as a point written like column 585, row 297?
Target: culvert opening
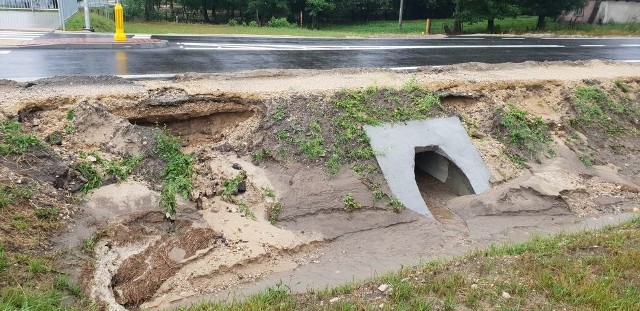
column 438, row 179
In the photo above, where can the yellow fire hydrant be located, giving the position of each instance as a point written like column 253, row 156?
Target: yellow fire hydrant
column 119, row 19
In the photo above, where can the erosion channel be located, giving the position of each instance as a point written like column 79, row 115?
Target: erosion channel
column 161, row 193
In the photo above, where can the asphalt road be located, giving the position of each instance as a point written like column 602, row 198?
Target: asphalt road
column 209, row 54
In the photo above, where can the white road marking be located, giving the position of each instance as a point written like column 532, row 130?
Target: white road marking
column 4, row 52
column 280, row 47
column 142, row 36
column 592, row 45
column 404, row 68
column 20, row 35
column 630, row 45
column 513, row 38
column 632, row 61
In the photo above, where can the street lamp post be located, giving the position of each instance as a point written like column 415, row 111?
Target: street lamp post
column 87, row 21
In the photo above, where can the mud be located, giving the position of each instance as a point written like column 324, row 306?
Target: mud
column 223, row 247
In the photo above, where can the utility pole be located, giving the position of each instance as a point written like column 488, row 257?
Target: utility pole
column 400, row 14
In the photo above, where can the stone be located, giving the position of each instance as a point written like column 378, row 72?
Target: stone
column 334, row 299
column 242, row 187
column 506, row 295
column 236, row 166
column 91, row 158
column 383, row 287
column 474, row 286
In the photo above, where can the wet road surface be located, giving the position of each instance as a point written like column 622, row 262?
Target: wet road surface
column 214, row 54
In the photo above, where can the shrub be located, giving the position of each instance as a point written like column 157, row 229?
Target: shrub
column 253, row 24
column 232, row 22
column 280, row 22
column 98, row 22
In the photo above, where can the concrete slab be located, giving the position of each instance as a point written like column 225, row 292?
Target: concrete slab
column 396, row 145
column 29, row 20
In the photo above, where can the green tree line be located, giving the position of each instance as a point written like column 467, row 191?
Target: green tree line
column 312, row 12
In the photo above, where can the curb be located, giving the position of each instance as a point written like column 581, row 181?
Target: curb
column 101, row 45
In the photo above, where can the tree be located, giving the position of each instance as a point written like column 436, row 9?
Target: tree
column 268, row 8
column 489, row 10
column 315, row 7
column 548, row 8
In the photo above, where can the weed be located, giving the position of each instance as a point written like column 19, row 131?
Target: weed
column 69, row 128
column 6, row 196
column 14, row 141
column 89, row 244
column 63, row 283
column 90, row 174
column 527, row 136
column 176, row 173
column 281, row 111
column 379, row 195
column 350, row 203
column 231, row 185
column 37, row 266
column 274, row 211
column 122, row 168
column 46, row 213
column 622, row 86
column 333, row 164
column 71, row 114
column 261, row 155
column 313, row 147
column 244, row 209
column 586, row 160
column 282, row 134
column 54, row 138
column 268, row 193
column 396, row 205
column 4, row 260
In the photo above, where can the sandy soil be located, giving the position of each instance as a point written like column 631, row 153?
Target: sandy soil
column 216, row 249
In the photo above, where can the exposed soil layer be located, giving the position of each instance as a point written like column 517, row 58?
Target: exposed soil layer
column 295, row 218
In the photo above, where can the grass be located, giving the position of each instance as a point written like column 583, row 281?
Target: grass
column 176, row 173
column 14, row 141
column 14, row 194
column 590, row 270
column 596, row 108
column 518, row 25
column 526, row 136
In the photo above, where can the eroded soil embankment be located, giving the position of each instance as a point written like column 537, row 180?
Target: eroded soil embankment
column 286, row 159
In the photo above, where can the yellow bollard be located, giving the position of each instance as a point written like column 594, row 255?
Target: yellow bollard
column 119, row 19
column 428, row 27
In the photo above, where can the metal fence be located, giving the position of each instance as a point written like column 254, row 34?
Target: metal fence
column 29, row 4
column 66, row 8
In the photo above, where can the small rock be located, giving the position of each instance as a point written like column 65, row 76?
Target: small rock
column 383, row 287
column 91, row 158
column 334, row 299
column 506, row 295
column 636, row 210
column 381, row 306
column 236, row 166
column 474, row 286
column 242, row 187
column 35, row 122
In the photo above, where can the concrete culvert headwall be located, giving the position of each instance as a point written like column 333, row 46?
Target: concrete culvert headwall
column 439, row 147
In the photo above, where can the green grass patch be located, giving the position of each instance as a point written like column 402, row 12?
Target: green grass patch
column 350, row 203
column 14, row 194
column 597, row 109
column 515, row 25
column 176, row 173
column 590, row 270
column 95, row 169
column 526, row 136
column 14, row 141
column 230, row 186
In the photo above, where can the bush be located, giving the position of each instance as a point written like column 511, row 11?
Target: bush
column 232, row 22
column 253, row 24
column 98, row 22
column 280, row 22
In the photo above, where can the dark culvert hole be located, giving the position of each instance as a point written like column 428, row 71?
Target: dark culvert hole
column 439, row 180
